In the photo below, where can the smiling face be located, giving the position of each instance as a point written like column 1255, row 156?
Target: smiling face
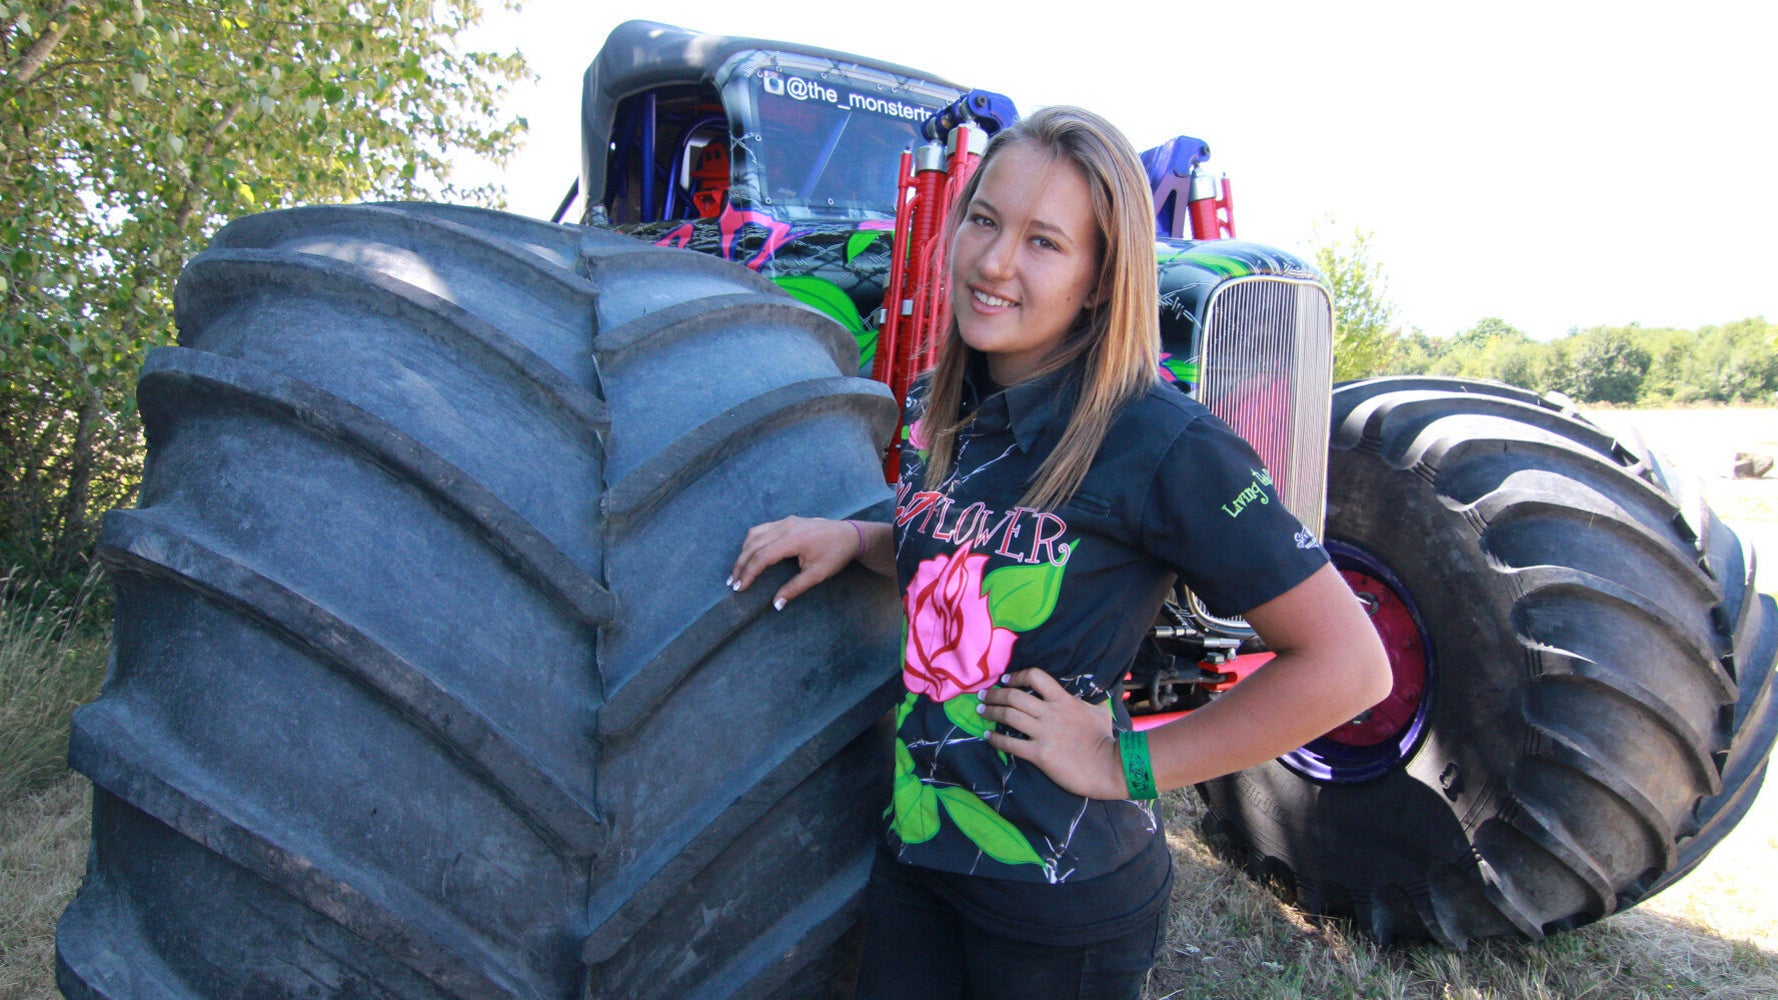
column 1024, row 260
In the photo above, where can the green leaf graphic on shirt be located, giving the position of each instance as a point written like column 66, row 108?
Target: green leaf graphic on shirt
column 1020, row 598
column 902, row 710
column 904, row 761
column 916, row 811
column 989, row 830
column 961, row 711
column 913, row 802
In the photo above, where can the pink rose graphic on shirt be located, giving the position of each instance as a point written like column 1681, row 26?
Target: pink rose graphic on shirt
column 953, row 645
column 917, row 434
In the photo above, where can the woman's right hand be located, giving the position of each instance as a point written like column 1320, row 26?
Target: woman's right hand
column 821, row 548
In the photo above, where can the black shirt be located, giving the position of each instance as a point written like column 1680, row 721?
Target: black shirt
column 990, row 587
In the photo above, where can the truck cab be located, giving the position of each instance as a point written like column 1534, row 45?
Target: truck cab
column 684, row 126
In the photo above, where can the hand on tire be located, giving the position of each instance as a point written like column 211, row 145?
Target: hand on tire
column 821, row 548
column 1068, row 739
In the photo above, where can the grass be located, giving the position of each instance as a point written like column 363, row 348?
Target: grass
column 1714, row 935
column 49, row 663
column 43, row 837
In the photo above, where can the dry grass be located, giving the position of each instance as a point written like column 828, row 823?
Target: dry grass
column 49, row 664
column 43, row 839
column 1708, row 937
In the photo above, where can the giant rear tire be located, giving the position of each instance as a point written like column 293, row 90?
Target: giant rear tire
column 1583, row 700
column 426, row 680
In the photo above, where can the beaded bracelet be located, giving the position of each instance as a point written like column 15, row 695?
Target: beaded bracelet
column 860, row 532
column 1138, row 771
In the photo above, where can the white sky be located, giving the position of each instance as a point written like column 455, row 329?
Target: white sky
column 1555, row 164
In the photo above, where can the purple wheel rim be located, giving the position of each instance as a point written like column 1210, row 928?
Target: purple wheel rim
column 1346, row 755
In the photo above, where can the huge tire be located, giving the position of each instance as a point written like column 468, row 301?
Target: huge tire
column 427, row 683
column 1583, row 677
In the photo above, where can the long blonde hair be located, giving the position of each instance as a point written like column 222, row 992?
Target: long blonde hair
column 1116, row 344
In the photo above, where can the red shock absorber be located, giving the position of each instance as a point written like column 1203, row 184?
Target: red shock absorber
column 916, row 306
column 900, row 339
column 1213, row 217
column 972, row 140
column 930, row 179
column 965, row 148
column 884, row 363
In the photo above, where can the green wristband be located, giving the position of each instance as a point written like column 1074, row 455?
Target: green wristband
column 1138, row 771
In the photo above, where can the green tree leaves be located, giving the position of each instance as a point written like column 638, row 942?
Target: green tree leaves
column 1732, row 363
column 1364, row 319
column 129, row 131
column 1606, row 367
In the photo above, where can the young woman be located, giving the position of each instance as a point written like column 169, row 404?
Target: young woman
column 1052, row 490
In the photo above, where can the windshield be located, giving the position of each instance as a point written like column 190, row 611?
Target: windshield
column 821, row 142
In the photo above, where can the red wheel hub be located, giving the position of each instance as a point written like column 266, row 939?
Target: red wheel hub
column 1407, row 662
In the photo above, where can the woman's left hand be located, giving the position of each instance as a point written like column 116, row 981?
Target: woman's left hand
column 1068, row 739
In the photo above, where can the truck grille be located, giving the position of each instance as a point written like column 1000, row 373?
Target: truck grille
column 1266, row 368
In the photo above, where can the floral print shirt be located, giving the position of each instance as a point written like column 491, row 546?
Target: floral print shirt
column 990, row 586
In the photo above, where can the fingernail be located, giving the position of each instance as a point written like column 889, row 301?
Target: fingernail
column 730, row 582
column 1006, row 678
column 778, row 605
column 981, row 709
column 734, row 585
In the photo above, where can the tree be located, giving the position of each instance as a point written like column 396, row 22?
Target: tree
column 1491, row 349
column 129, row 130
column 1365, row 335
column 1416, row 352
column 1604, row 366
column 1735, row 362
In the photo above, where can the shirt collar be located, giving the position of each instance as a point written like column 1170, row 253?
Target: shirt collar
column 1026, row 408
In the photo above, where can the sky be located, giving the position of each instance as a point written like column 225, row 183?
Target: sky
column 1556, row 165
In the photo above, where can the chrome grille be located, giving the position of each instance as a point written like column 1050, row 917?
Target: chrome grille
column 1267, row 370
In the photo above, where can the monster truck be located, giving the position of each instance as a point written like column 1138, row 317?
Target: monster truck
column 426, row 682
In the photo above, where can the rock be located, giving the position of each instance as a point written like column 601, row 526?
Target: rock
column 1749, row 465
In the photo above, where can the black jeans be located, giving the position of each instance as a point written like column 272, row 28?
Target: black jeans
column 918, row 947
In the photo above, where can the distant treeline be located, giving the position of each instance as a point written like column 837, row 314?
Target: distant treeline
column 1732, row 363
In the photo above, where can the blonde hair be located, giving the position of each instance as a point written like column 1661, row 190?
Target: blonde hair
column 1115, row 346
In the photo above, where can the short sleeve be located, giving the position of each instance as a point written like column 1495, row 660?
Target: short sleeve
column 1213, row 513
